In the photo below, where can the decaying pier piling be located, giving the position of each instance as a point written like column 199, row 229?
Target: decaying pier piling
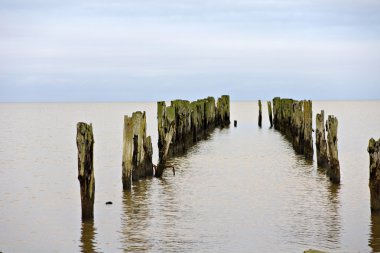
column 333, row 170
column 183, row 123
column 223, row 111
column 294, row 119
column 320, row 141
column 374, row 174
column 308, row 149
column 137, row 150
column 85, row 145
column 270, row 113
column 260, row 115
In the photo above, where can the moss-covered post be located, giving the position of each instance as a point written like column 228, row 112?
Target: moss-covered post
column 166, row 132
column 260, row 114
column 223, row 109
column 85, row 145
column 270, row 113
column 374, row 174
column 332, row 142
column 320, row 141
column 276, row 112
column 308, row 149
column 297, row 123
column 137, row 150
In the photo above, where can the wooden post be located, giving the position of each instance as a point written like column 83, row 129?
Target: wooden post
column 374, row 174
column 137, row 150
column 270, row 113
column 297, row 124
column 307, row 140
column 223, row 111
column 260, row 114
column 332, row 142
column 85, row 145
column 235, row 123
column 320, row 141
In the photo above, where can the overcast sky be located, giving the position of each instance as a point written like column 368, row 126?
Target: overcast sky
column 148, row 50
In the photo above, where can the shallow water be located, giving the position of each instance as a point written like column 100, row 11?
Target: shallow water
column 241, row 190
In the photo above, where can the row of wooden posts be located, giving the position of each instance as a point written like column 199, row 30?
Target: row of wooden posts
column 179, row 126
column 294, row 119
column 183, row 123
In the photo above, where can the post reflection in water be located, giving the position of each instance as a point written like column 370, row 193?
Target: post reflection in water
column 334, row 220
column 135, row 218
column 313, row 203
column 87, row 239
column 151, row 216
column 374, row 240
column 331, row 227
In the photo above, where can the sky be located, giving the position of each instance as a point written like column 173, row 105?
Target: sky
column 149, row 50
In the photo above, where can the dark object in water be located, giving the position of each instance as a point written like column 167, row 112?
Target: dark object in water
column 109, row 203
column 270, row 113
column 374, row 171
column 260, row 114
column 235, row 123
column 85, row 145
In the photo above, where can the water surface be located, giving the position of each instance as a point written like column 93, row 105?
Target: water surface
column 241, row 190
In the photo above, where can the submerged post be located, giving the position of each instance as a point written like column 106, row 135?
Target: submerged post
column 260, row 114
column 270, row 113
column 374, row 173
column 332, row 142
column 320, row 141
column 85, row 145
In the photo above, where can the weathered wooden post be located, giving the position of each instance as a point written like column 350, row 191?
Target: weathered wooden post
column 320, row 141
column 308, row 149
column 166, row 128
column 332, row 142
column 235, row 123
column 374, row 174
column 223, row 109
column 270, row 113
column 85, row 145
column 137, row 150
column 297, row 125
column 276, row 112
column 260, row 114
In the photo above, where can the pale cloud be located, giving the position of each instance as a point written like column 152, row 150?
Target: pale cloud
column 251, row 49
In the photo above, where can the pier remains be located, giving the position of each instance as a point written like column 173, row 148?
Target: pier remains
column 294, row 119
column 183, row 123
column 374, row 174
column 85, row 145
column 137, row 150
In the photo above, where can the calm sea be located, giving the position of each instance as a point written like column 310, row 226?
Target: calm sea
column 241, row 190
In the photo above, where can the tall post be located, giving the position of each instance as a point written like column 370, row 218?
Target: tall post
column 260, row 114
column 308, row 149
column 137, row 150
column 270, row 113
column 332, row 142
column 85, row 145
column 374, row 174
column 320, row 141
